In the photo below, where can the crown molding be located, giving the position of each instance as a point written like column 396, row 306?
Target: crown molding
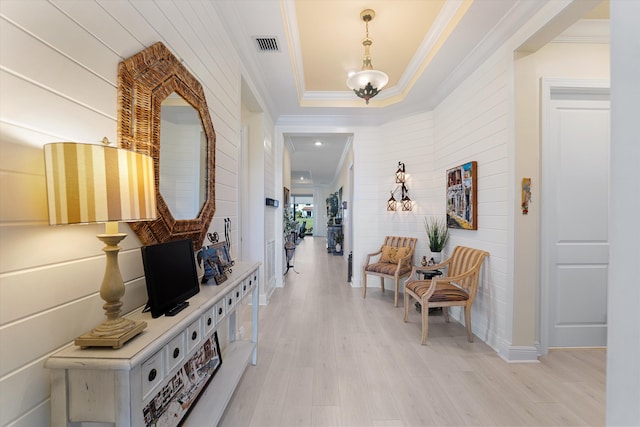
column 592, row 31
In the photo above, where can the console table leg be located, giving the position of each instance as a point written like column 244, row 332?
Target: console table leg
column 254, row 323
column 58, row 397
column 233, row 327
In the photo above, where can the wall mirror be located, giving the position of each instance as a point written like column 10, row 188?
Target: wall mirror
column 162, row 112
column 183, row 157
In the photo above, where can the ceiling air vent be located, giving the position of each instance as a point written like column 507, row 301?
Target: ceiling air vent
column 267, row 44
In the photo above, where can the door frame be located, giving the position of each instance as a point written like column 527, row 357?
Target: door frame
column 549, row 88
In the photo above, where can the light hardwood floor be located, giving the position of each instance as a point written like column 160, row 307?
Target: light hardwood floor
column 328, row 357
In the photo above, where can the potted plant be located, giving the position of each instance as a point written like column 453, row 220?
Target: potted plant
column 437, row 235
column 289, row 225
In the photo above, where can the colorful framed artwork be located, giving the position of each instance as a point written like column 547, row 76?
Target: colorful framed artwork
column 526, row 195
column 462, row 196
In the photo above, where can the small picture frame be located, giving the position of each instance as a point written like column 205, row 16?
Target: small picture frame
column 221, row 255
column 218, row 272
column 216, row 358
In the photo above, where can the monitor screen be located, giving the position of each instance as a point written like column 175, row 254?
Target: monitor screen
column 171, row 276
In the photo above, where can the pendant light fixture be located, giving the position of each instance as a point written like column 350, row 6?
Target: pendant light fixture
column 368, row 82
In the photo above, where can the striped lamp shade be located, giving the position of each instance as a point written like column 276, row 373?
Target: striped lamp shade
column 95, row 183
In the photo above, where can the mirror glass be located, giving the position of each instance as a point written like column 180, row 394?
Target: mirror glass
column 183, row 158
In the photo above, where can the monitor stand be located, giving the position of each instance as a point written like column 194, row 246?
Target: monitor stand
column 177, row 308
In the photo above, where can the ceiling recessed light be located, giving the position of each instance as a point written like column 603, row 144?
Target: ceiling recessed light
column 318, row 143
column 302, row 178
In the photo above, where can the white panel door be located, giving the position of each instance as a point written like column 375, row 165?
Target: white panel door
column 576, row 201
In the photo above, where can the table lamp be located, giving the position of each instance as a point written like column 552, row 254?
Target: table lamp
column 95, row 183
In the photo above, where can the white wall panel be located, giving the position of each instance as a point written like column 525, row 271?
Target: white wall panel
column 38, row 288
column 34, row 107
column 376, row 155
column 24, row 389
column 58, row 81
column 46, row 22
column 68, row 77
column 472, row 124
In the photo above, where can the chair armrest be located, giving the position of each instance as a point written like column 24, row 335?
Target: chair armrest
column 431, row 282
column 370, row 255
column 464, row 275
column 443, row 264
column 438, row 279
column 459, row 277
column 405, row 259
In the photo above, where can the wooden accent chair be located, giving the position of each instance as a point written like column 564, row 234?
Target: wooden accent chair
column 457, row 288
column 396, row 259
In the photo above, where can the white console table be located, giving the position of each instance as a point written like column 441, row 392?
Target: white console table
column 113, row 386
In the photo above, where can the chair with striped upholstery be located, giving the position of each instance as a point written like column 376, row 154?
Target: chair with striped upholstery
column 457, row 288
column 396, row 259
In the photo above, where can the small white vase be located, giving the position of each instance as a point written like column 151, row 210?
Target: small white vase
column 338, row 247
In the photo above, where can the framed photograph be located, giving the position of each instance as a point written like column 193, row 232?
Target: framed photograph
column 219, row 275
column 172, row 403
column 462, row 196
column 221, row 254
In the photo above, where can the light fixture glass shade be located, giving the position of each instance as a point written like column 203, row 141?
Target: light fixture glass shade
column 367, row 83
column 400, row 173
column 391, row 203
column 406, row 203
column 93, row 183
column 374, row 78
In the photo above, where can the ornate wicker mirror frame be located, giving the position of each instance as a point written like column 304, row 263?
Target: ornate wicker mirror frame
column 144, row 81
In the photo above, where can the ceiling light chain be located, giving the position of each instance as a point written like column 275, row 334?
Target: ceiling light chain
column 368, row 82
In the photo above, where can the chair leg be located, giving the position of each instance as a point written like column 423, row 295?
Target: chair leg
column 364, row 283
column 382, row 283
column 425, row 321
column 395, row 298
column 467, row 320
column 445, row 313
column 406, row 306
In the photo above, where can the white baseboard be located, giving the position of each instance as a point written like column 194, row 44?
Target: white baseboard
column 519, row 354
column 264, row 299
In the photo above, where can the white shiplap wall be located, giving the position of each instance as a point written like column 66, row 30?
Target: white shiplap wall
column 473, row 124
column 377, row 152
column 58, row 83
column 270, row 215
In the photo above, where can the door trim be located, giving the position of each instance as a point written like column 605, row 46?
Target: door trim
column 552, row 88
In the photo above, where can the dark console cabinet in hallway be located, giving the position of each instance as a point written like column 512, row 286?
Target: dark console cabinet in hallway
column 334, row 237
